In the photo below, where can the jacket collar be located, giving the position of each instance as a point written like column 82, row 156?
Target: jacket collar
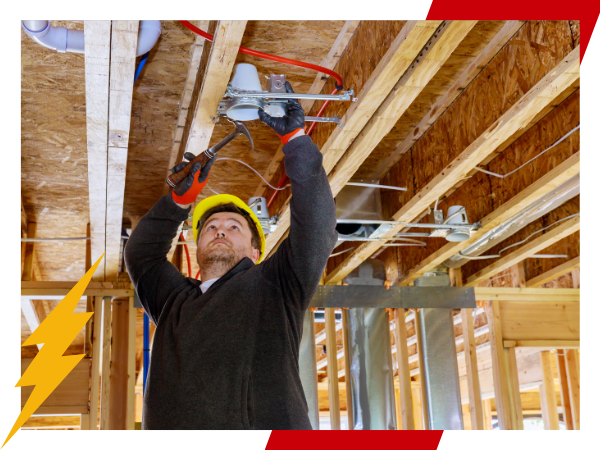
column 245, row 264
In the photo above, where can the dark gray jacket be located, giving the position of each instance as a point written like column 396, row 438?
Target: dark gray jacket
column 228, row 358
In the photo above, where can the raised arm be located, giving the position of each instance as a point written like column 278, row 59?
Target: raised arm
column 298, row 263
column 146, row 251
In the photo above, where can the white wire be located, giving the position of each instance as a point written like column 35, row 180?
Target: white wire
column 495, row 278
column 518, row 243
column 538, row 231
column 540, row 154
column 222, row 158
column 339, row 253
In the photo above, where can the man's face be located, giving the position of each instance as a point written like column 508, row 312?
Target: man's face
column 225, row 239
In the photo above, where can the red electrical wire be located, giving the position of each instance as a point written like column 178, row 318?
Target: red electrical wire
column 262, row 55
column 187, row 254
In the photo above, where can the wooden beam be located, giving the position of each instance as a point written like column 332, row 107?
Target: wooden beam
column 501, row 381
column 555, row 273
column 547, row 393
column 555, row 234
column 332, row 369
column 397, row 60
column 475, row 405
column 565, row 399
column 556, row 177
column 29, row 253
column 106, row 347
column 487, row 414
column 97, row 76
column 512, row 371
column 573, row 381
column 58, row 289
column 123, row 45
column 526, row 294
column 549, row 344
column 439, row 107
column 118, row 365
column 349, row 406
column 130, row 412
column 223, row 53
column 96, row 355
column 329, row 62
column 321, row 335
column 527, row 110
column 406, row 400
column 575, row 278
column 411, row 84
column 212, row 76
column 197, row 50
column 517, row 272
column 34, row 315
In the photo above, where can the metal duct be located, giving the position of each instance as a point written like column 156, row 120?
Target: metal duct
column 547, row 203
column 360, row 203
column 308, row 368
column 370, row 370
column 437, row 361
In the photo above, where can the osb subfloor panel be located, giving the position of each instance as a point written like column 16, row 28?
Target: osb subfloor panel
column 54, row 182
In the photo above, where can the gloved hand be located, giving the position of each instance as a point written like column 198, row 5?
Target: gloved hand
column 186, row 192
column 286, row 127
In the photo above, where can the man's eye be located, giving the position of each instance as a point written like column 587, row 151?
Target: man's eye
column 211, row 227
column 235, row 227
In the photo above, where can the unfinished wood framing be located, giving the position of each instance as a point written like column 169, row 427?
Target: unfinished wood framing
column 573, row 381
column 328, row 62
column 399, row 57
column 557, row 272
column 95, row 369
column 547, row 393
column 405, row 391
column 332, row 370
column 499, row 41
column 475, row 405
column 557, row 176
column 106, row 355
column 565, row 399
column 557, row 233
column 511, row 125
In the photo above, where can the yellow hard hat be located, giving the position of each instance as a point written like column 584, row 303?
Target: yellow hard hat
column 221, row 199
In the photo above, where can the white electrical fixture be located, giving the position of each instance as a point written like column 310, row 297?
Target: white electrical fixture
column 457, row 215
column 245, row 78
column 244, row 96
column 258, row 205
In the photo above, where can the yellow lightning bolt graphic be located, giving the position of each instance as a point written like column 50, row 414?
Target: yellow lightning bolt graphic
column 49, row 368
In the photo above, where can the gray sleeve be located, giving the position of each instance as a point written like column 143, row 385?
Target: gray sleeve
column 146, row 251
column 297, row 265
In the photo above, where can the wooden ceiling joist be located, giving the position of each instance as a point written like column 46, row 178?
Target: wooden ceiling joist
column 529, row 109
column 212, row 76
column 494, row 46
column 402, row 53
column 557, row 233
column 553, row 274
column 531, row 194
column 110, row 67
column 328, row 62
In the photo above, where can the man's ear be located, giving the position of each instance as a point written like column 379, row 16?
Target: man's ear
column 255, row 255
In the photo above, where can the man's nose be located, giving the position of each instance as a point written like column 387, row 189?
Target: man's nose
column 220, row 233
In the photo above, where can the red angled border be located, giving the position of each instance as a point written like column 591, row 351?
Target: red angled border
column 586, row 12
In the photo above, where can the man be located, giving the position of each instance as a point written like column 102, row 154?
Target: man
column 225, row 351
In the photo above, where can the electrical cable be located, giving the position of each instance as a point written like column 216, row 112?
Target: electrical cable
column 253, row 170
column 535, row 157
column 518, row 243
column 339, row 253
column 538, row 231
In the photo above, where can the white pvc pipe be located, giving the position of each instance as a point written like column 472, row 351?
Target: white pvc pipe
column 64, row 40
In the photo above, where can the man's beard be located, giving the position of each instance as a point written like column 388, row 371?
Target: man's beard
column 224, row 258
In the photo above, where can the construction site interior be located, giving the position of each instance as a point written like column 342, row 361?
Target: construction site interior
column 476, row 121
